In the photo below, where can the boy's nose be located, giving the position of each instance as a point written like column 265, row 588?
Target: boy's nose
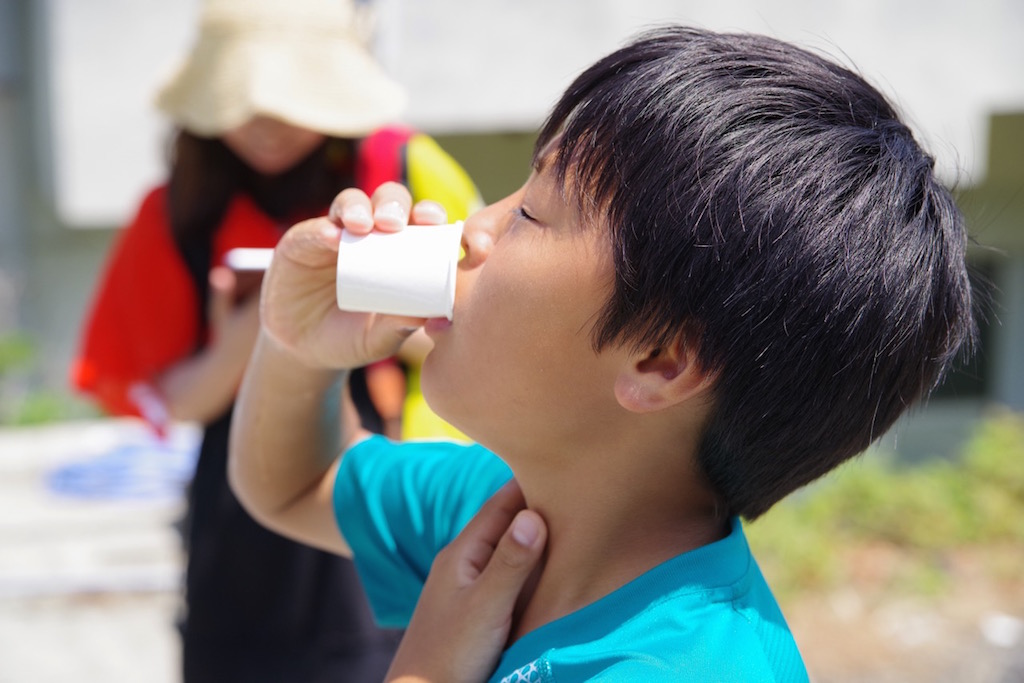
column 481, row 231
column 477, row 243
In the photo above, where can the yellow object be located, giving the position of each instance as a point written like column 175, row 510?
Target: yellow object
column 418, row 420
column 433, row 174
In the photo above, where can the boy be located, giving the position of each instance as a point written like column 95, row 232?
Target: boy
column 731, row 269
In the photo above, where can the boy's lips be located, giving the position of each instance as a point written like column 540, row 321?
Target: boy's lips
column 433, row 325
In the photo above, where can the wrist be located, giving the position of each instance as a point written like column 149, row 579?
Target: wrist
column 283, row 362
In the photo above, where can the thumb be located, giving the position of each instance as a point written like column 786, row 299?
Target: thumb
column 516, row 556
column 388, row 333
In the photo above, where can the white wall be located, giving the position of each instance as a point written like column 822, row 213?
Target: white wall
column 106, row 57
column 499, row 64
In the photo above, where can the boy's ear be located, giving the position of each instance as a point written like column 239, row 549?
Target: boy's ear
column 659, row 378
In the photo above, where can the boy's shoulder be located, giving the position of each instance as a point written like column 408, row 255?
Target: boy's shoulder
column 704, row 615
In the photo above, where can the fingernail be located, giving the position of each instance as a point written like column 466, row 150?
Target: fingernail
column 431, row 211
column 525, row 530
column 356, row 213
column 390, row 212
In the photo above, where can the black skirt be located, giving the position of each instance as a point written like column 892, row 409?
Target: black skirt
column 261, row 608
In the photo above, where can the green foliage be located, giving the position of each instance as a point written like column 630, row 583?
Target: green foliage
column 996, row 453
column 41, row 407
column 22, row 402
column 16, row 352
column 922, row 513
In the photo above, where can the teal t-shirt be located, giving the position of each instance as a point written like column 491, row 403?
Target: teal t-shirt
column 706, row 615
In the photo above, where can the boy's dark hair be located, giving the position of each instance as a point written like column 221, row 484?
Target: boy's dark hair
column 768, row 206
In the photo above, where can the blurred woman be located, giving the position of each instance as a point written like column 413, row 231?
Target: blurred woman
column 277, row 107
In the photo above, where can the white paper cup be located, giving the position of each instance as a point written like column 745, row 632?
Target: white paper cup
column 410, row 272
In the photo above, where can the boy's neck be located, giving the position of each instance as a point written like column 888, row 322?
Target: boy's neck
column 609, row 521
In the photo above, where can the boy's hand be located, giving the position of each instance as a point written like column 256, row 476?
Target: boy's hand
column 299, row 308
column 464, row 615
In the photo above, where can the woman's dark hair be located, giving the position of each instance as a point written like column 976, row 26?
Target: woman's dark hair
column 205, row 175
column 769, row 206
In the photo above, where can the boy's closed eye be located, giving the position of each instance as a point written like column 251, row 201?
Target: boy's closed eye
column 522, row 213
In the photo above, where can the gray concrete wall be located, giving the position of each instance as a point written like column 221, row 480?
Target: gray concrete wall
column 994, row 207
column 1008, row 347
column 13, row 113
column 64, row 265
column 46, row 270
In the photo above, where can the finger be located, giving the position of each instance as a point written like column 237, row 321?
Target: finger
column 514, row 559
column 429, row 212
column 391, row 205
column 312, row 243
column 476, row 543
column 494, row 517
column 352, row 210
column 222, row 294
column 250, row 312
column 389, row 332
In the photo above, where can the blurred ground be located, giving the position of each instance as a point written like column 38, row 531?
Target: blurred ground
column 90, row 573
column 90, row 563
column 974, row 634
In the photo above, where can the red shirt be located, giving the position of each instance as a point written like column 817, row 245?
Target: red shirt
column 144, row 316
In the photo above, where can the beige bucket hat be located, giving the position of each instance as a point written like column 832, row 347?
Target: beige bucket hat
column 301, row 61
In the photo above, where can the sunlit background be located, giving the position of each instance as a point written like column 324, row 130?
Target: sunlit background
column 926, row 583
